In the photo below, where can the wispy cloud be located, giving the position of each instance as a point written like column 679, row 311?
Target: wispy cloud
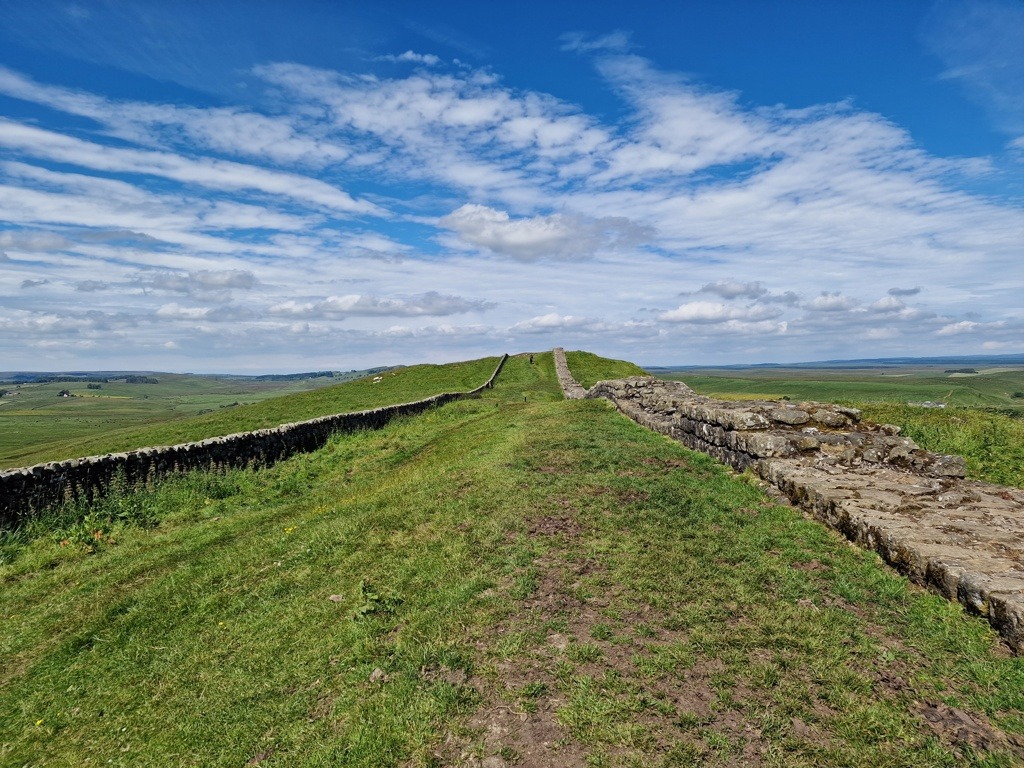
column 979, row 42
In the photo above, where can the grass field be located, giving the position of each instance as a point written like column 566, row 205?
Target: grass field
column 40, row 426
column 985, row 390
column 34, row 414
column 510, row 577
column 983, row 420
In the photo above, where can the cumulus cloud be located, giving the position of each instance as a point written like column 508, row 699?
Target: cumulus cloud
column 412, row 57
column 968, row 326
column 716, row 312
column 556, row 236
column 550, row 322
column 199, row 282
column 730, row 289
column 89, row 286
column 831, row 302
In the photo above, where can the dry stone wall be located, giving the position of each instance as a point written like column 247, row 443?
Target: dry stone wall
column 28, row 490
column 964, row 538
column 571, row 389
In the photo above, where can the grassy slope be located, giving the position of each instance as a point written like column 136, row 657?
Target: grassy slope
column 398, row 386
column 992, row 442
column 489, row 558
column 588, row 369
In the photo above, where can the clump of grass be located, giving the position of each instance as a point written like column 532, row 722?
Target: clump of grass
column 992, row 443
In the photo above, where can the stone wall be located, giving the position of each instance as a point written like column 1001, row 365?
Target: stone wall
column 963, row 538
column 571, row 389
column 28, row 490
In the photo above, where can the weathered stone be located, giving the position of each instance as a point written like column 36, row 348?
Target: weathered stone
column 792, row 416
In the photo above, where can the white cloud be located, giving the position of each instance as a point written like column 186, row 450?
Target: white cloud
column 831, row 302
column 430, row 304
column 549, row 322
column 580, row 42
column 716, row 312
column 888, row 304
column 175, row 311
column 213, row 173
column 554, row 236
column 968, row 326
column 412, row 57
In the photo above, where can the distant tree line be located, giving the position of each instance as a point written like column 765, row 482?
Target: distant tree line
column 294, row 376
column 28, row 378
column 961, row 370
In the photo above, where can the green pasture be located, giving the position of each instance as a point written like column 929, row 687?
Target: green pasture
column 442, row 590
column 985, row 390
column 37, row 425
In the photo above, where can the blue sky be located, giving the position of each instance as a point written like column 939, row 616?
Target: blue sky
column 269, row 186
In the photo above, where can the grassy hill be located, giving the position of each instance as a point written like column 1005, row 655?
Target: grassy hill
column 513, row 577
column 37, row 434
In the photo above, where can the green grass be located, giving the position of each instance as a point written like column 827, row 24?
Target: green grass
column 588, row 369
column 366, row 603
column 26, row 440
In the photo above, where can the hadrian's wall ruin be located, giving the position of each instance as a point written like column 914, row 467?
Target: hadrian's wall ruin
column 28, row 490
column 963, row 538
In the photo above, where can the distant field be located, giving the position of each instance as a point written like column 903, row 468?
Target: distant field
column 983, row 390
column 983, row 421
column 38, row 425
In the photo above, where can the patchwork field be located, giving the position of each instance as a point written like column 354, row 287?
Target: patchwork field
column 38, row 425
column 511, row 580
